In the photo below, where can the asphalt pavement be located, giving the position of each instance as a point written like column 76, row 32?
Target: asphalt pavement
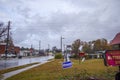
column 18, row 62
column 9, row 74
column 4, row 64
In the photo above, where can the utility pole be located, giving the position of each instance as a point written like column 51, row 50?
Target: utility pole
column 31, row 50
column 61, row 46
column 48, row 46
column 65, row 53
column 61, row 42
column 7, row 42
column 48, row 49
column 64, row 48
column 39, row 45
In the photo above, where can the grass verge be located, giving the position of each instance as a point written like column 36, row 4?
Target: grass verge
column 53, row 71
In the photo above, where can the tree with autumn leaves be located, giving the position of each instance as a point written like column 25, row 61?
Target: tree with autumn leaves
column 91, row 46
column 101, row 45
column 87, row 47
column 76, row 46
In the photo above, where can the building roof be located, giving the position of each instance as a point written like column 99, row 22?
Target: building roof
column 116, row 39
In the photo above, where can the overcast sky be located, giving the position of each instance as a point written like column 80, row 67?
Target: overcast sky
column 47, row 20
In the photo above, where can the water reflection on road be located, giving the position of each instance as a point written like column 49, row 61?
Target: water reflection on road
column 17, row 62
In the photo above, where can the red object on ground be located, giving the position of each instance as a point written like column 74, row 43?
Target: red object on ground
column 116, row 39
column 81, row 54
column 112, row 57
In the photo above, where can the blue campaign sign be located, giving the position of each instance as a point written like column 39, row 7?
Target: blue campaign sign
column 67, row 64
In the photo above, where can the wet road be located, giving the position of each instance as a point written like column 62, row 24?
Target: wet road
column 17, row 62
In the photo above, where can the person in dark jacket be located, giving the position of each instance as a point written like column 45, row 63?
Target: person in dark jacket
column 117, row 76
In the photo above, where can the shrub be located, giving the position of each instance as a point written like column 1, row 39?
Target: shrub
column 58, row 56
column 74, row 56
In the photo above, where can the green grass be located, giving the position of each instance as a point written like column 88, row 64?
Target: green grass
column 53, row 71
column 15, row 68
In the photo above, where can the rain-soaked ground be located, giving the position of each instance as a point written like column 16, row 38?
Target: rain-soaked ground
column 17, row 62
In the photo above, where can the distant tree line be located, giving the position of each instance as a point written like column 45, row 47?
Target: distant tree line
column 23, row 48
column 91, row 46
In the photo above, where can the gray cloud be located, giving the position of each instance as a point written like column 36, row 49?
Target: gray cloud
column 48, row 21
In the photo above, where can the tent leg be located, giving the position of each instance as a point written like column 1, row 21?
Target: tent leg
column 119, row 49
column 119, row 68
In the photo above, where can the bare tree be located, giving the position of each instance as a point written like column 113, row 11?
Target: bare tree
column 2, row 29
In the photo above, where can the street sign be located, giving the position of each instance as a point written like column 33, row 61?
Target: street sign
column 112, row 58
column 67, row 64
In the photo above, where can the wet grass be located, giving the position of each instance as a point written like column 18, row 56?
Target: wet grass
column 53, row 71
column 15, row 68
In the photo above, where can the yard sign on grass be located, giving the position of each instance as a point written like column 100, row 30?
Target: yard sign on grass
column 67, row 64
column 82, row 55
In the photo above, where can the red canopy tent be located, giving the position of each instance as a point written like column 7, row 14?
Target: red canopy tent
column 116, row 40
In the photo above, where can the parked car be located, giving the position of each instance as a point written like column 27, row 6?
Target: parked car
column 19, row 57
column 8, row 55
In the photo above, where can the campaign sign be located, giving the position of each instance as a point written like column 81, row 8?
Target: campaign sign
column 67, row 64
column 112, row 58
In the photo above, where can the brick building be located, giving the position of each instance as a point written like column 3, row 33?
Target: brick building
column 11, row 49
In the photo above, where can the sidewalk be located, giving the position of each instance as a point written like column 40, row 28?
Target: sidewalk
column 9, row 74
